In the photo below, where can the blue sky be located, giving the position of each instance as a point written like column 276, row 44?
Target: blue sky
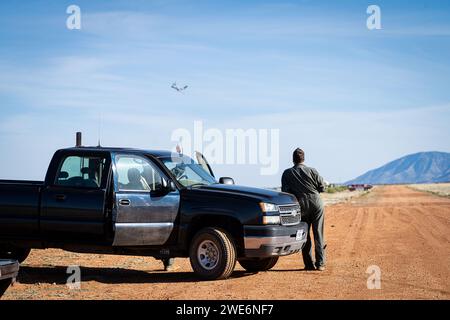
column 354, row 99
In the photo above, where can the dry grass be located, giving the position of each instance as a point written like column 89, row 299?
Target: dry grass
column 342, row 196
column 442, row 189
column 338, row 196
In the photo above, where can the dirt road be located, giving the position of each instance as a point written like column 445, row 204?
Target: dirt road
column 406, row 233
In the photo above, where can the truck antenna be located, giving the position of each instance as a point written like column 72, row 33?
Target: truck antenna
column 78, row 142
column 99, row 130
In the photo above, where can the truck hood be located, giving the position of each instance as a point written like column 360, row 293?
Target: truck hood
column 259, row 194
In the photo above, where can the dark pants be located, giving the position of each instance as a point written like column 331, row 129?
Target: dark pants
column 313, row 214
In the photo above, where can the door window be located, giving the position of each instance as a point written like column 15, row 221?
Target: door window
column 137, row 174
column 81, row 172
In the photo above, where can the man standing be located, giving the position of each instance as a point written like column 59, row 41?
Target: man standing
column 305, row 184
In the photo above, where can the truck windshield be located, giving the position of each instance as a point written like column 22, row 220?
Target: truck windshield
column 187, row 172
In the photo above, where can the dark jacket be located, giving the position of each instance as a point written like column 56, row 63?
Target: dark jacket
column 302, row 180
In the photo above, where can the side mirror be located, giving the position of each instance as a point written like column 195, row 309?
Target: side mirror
column 226, row 180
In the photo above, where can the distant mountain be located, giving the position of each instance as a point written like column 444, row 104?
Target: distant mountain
column 423, row 167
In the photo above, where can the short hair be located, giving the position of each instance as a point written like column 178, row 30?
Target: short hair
column 298, row 156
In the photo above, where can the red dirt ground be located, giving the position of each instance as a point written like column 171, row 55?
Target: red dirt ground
column 404, row 232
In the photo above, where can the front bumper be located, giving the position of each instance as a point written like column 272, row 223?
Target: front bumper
column 269, row 241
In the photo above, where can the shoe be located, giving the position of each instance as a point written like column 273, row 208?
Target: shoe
column 168, row 264
column 309, row 268
column 321, row 268
column 172, row 268
column 168, row 268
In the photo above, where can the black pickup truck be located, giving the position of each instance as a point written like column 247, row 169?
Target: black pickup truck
column 148, row 203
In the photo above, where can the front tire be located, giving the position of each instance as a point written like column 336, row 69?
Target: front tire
column 19, row 254
column 256, row 265
column 212, row 254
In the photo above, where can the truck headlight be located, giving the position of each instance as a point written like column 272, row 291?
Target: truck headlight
column 268, row 207
column 271, row 220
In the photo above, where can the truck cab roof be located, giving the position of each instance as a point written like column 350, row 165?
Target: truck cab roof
column 154, row 153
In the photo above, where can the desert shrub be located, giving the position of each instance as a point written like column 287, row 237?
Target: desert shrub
column 334, row 189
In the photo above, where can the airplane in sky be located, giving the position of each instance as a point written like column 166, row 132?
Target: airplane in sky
column 179, row 89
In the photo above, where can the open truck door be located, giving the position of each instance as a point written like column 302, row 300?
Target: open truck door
column 204, row 163
column 146, row 205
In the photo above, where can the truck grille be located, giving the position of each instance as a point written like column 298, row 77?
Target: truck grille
column 290, row 214
column 290, row 220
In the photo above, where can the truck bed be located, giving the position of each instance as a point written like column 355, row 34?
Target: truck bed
column 19, row 207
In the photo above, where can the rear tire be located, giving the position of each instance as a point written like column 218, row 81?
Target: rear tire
column 212, row 254
column 256, row 265
column 19, row 254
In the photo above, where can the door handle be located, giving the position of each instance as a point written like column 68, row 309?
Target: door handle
column 124, row 202
column 60, row 197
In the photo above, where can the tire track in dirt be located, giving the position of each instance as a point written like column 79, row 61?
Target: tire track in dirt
column 350, row 238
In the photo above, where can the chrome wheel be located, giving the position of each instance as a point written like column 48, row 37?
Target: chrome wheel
column 208, row 255
column 212, row 254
